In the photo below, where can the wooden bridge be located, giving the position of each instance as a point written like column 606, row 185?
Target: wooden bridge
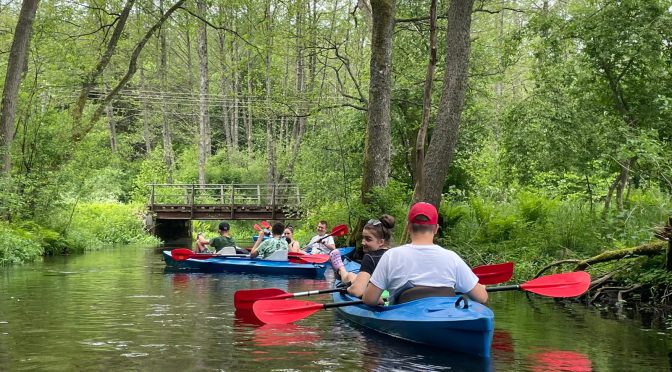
column 172, row 207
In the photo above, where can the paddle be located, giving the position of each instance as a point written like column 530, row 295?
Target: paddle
column 494, row 274
column 181, row 254
column 337, row 231
column 266, row 225
column 557, row 285
column 257, row 227
column 244, row 298
column 307, row 258
column 287, row 311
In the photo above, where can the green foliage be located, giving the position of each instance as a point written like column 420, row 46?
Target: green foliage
column 95, row 225
column 26, row 241
column 534, row 207
column 534, row 230
column 17, row 246
column 152, row 170
column 236, row 167
column 452, row 214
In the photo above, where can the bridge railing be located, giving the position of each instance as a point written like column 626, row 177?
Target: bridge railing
column 224, row 194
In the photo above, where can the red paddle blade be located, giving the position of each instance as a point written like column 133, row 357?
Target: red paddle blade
column 296, row 254
column 284, row 311
column 339, row 230
column 494, row 274
column 245, row 298
column 257, row 227
column 181, row 254
column 559, row 285
column 313, row 258
column 265, row 225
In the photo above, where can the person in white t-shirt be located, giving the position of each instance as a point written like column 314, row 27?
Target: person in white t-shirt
column 320, row 243
column 422, row 263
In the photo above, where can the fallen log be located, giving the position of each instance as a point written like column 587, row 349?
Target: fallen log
column 649, row 249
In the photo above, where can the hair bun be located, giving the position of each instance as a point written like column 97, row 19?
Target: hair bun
column 387, row 221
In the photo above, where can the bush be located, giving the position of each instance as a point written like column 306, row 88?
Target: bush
column 100, row 224
column 18, row 245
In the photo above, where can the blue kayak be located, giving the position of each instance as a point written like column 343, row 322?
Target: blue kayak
column 347, row 251
column 435, row 321
column 245, row 265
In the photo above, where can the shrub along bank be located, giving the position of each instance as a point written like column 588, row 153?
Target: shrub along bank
column 87, row 226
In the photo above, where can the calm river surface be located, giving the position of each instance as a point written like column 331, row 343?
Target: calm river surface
column 118, row 309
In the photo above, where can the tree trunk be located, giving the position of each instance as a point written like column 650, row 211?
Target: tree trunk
column 426, row 100
column 90, row 80
column 146, row 131
column 17, row 58
column 284, row 130
column 248, row 104
column 236, row 93
column 610, row 193
column 623, row 179
column 299, row 126
column 203, row 117
column 112, row 125
column 166, row 133
column 378, row 134
column 224, row 88
column 444, row 138
column 270, row 117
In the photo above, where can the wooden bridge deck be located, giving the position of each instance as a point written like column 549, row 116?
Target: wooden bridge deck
column 224, row 201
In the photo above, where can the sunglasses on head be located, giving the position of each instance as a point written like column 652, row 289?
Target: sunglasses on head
column 374, row 222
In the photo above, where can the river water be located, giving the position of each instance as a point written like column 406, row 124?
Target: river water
column 118, row 309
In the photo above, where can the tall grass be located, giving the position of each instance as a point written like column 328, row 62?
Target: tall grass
column 532, row 229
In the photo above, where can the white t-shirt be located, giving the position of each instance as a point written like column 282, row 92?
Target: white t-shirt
column 320, row 247
column 425, row 265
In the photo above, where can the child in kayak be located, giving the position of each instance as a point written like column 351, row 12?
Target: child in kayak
column 422, row 264
column 223, row 240
column 321, row 243
column 376, row 237
column 264, row 248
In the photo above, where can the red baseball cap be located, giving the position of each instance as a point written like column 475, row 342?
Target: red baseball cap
column 423, row 209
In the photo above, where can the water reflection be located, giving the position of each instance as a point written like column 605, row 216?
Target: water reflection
column 560, row 360
column 285, row 335
column 384, row 353
column 503, row 351
column 244, row 318
column 120, row 310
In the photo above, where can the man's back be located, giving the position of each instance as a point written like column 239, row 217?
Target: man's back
column 422, row 265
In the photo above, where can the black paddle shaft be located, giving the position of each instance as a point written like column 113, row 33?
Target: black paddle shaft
column 341, row 304
column 500, row 288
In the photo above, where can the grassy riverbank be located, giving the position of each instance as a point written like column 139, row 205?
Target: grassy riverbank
column 529, row 228
column 87, row 226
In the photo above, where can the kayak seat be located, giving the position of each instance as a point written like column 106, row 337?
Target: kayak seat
column 227, row 250
column 278, row 256
column 421, row 291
